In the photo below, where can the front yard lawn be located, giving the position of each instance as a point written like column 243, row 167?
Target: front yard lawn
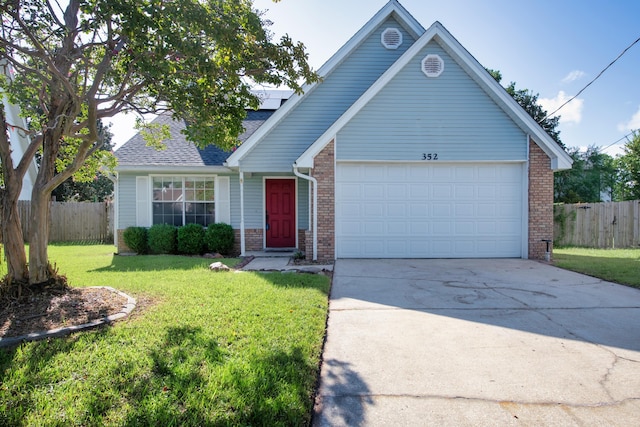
column 200, row 349
column 614, row 265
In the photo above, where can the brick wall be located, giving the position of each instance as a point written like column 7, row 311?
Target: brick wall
column 122, row 248
column 324, row 172
column 301, row 240
column 540, row 201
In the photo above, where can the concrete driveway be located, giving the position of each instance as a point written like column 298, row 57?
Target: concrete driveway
column 478, row 342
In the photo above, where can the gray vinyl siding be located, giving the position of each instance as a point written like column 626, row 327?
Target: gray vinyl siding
column 303, row 204
column 449, row 115
column 126, row 201
column 329, row 100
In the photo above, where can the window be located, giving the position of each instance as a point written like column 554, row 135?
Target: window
column 183, row 200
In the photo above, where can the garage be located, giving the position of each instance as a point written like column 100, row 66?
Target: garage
column 430, row 210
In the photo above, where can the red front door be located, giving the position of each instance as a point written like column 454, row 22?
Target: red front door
column 281, row 213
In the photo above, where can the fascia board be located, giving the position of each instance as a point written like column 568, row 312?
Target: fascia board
column 173, row 169
column 306, row 159
column 559, row 158
column 408, row 21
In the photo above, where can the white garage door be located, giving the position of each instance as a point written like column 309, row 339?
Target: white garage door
column 429, row 210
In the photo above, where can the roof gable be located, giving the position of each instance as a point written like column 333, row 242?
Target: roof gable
column 392, row 9
column 437, row 32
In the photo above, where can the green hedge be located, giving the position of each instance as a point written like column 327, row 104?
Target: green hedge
column 191, row 239
column 220, row 238
column 136, row 239
column 163, row 239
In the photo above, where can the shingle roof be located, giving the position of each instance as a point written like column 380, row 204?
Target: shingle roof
column 179, row 151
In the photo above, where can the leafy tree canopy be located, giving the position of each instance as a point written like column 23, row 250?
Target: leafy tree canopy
column 80, row 61
column 593, row 175
column 529, row 101
column 629, row 183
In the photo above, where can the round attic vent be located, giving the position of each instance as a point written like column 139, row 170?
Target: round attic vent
column 432, row 65
column 391, row 38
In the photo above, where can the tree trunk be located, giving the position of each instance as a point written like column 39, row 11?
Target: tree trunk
column 12, row 237
column 10, row 225
column 39, row 218
column 39, row 237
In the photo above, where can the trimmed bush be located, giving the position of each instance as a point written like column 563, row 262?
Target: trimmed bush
column 136, row 239
column 191, row 239
column 163, row 239
column 220, row 238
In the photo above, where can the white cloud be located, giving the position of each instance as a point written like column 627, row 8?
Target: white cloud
column 570, row 113
column 632, row 124
column 573, row 76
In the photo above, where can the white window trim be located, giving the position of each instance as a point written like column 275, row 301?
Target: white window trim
column 184, row 176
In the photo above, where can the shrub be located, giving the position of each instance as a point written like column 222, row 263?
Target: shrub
column 220, row 238
column 191, row 239
column 136, row 239
column 163, row 239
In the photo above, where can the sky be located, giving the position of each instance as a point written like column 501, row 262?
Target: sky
column 552, row 47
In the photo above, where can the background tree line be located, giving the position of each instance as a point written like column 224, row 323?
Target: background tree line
column 595, row 176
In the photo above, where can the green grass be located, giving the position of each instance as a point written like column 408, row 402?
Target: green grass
column 209, row 349
column 614, row 265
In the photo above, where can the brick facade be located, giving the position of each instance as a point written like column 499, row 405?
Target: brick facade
column 324, row 172
column 540, row 201
column 122, row 248
column 254, row 239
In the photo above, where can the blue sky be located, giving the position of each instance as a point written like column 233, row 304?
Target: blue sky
column 553, row 48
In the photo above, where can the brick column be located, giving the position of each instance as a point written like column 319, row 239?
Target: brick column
column 324, row 172
column 540, row 200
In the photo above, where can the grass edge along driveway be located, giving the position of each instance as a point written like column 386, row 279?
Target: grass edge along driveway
column 613, row 265
column 201, row 348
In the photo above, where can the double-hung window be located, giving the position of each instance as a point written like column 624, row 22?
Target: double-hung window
column 180, row 200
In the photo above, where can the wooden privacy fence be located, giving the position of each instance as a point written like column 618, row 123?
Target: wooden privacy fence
column 75, row 221
column 598, row 225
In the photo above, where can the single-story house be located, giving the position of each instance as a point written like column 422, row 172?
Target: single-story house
column 406, row 148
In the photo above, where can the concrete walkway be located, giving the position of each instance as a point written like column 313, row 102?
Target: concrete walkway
column 478, row 342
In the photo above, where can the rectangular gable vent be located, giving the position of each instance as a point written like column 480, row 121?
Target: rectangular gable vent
column 391, row 38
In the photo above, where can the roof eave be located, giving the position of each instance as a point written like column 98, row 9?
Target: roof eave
column 559, row 158
column 181, row 169
column 392, row 7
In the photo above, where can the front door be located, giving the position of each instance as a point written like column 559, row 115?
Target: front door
column 280, row 215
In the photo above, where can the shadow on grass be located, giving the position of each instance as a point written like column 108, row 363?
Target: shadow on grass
column 125, row 263
column 183, row 379
column 30, row 359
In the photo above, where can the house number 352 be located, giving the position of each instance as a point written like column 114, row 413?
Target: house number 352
column 429, row 156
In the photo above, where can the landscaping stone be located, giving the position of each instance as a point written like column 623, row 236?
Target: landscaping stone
column 218, row 266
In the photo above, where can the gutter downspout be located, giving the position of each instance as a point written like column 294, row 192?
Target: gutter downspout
column 242, row 241
column 315, row 208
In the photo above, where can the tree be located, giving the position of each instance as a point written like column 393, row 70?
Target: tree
column 89, row 185
column 92, row 59
column 592, row 175
column 529, row 101
column 629, row 163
